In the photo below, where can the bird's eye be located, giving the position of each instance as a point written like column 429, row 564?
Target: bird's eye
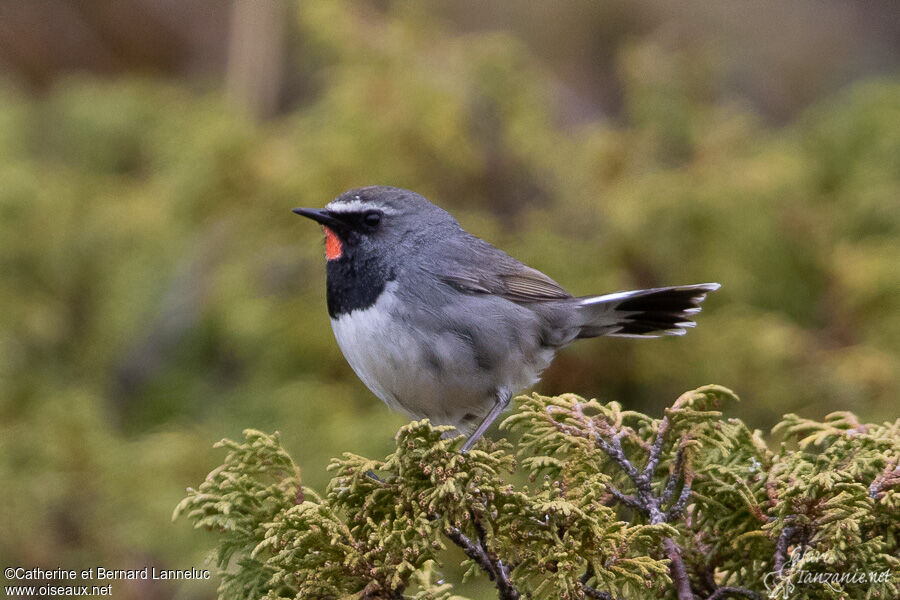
column 372, row 219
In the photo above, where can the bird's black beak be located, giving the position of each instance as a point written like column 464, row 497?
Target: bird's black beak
column 320, row 216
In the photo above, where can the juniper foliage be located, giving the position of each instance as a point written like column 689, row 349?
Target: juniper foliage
column 618, row 506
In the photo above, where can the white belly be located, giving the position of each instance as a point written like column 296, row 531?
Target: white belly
column 372, row 347
column 396, row 361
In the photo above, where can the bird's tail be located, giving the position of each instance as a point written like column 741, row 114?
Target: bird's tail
column 643, row 313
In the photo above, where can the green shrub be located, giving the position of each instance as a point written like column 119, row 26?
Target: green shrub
column 619, row 505
column 157, row 292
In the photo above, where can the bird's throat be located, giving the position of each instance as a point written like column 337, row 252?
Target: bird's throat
column 334, row 248
column 354, row 283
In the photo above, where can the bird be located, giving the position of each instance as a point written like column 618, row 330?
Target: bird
column 440, row 324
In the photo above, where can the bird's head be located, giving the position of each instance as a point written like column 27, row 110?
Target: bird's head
column 378, row 223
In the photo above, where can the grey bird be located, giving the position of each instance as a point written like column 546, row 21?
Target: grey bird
column 440, row 324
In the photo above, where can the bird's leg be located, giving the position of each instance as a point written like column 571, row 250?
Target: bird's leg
column 501, row 401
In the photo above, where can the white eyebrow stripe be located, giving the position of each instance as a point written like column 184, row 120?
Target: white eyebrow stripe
column 355, row 206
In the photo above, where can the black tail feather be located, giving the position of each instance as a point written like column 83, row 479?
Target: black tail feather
column 644, row 313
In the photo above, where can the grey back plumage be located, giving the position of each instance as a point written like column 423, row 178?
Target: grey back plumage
column 484, row 283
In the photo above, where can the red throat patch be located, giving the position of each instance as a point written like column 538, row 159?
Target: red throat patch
column 333, row 247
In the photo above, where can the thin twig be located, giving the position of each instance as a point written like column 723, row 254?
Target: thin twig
column 595, row 593
column 676, row 509
column 588, row 573
column 392, row 595
column 678, row 570
column 506, row 588
column 592, row 592
column 734, row 591
column 626, row 499
column 495, row 569
column 613, row 449
column 781, row 547
column 656, row 450
column 677, row 468
column 889, row 478
column 472, row 550
column 644, row 500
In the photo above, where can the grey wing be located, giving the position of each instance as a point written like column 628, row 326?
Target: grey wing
column 476, row 267
column 489, row 320
column 523, row 297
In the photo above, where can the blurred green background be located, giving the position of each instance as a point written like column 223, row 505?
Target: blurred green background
column 157, row 294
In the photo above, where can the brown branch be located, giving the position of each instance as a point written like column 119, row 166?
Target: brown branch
column 781, row 547
column 506, row 588
column 656, row 450
column 644, row 500
column 647, row 502
column 595, row 593
column 676, row 509
column 734, row 591
column 890, row 478
column 677, row 467
column 613, row 449
column 592, row 592
column 626, row 499
column 677, row 570
column 471, row 549
column 495, row 569
column 391, row 595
